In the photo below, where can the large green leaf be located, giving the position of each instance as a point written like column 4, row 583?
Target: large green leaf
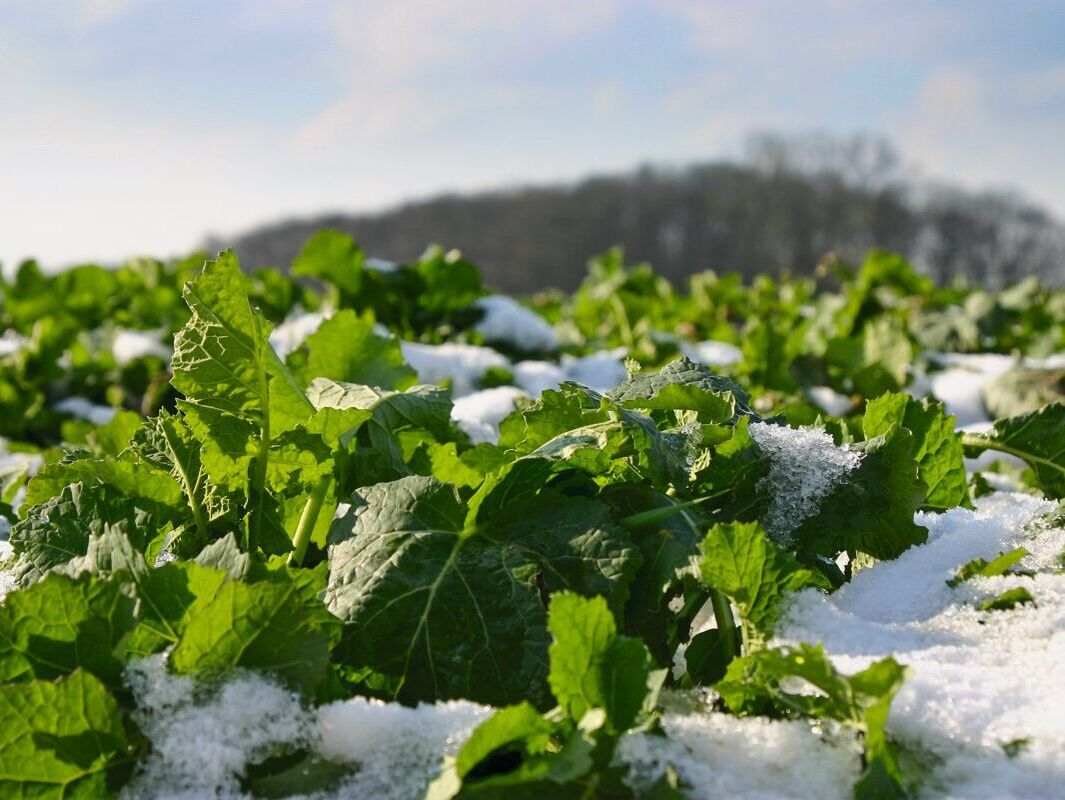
column 872, row 509
column 60, row 741
column 457, row 612
column 937, row 447
column 60, row 624
column 241, row 403
column 740, row 560
column 269, row 626
column 59, row 530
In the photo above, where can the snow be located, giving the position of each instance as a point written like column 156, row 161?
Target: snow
column 480, row 413
column 536, row 377
column 462, row 364
column 829, row 400
column 293, row 332
column 130, row 345
column 83, row 408
column 979, row 679
column 10, row 343
column 398, row 749
column 600, row 371
column 720, row 756
column 204, row 737
column 960, row 385
column 506, row 321
column 712, row 352
column 805, row 466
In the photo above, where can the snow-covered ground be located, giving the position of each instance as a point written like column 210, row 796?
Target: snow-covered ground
column 980, row 680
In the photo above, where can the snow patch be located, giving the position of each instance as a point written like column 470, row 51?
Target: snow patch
column 506, row 321
column 712, row 352
column 130, row 345
column 293, row 332
column 203, row 738
column 600, row 371
column 805, row 466
column 83, row 408
column 829, row 400
column 462, row 364
column 480, row 413
column 398, row 749
column 720, row 757
column 11, row 342
column 536, row 377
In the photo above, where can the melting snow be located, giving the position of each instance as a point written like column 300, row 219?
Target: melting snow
column 506, row 321
column 979, row 680
column 398, row 749
column 83, row 408
column 291, row 333
column 203, row 738
column 131, row 345
column 805, row 465
column 462, row 364
column 712, row 353
column 722, row 757
column 480, row 413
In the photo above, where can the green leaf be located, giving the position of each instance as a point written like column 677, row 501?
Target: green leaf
column 1038, row 438
column 223, row 356
column 591, row 665
column 269, row 626
column 978, row 567
column 167, row 443
column 670, row 548
column 165, row 596
column 872, row 510
column 123, row 478
column 740, row 560
column 60, row 624
column 346, row 348
column 332, row 256
column 239, row 398
column 685, row 385
column 457, row 612
column 60, row 740
column 1008, row 600
column 59, row 530
column 937, row 447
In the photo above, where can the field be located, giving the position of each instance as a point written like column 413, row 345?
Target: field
column 372, row 531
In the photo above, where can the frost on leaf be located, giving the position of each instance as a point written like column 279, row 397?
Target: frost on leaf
column 805, row 466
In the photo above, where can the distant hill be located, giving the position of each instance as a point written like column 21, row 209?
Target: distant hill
column 721, row 216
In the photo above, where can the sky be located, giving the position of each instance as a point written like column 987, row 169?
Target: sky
column 139, row 126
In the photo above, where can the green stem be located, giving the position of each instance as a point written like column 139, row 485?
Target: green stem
column 976, row 440
column 308, row 519
column 726, row 623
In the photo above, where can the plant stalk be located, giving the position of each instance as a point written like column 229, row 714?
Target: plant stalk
column 308, row 519
column 726, row 623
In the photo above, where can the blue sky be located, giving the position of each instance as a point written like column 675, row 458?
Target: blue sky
column 137, row 126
